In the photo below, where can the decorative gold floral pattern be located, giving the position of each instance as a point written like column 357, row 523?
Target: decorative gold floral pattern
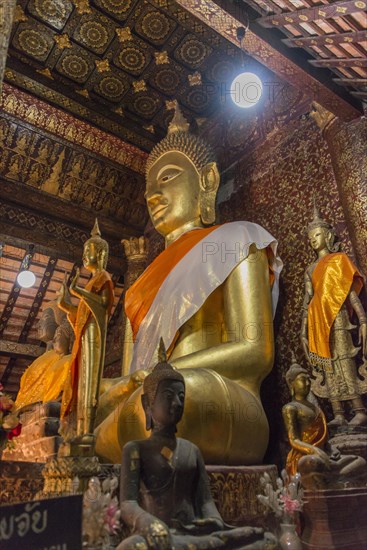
column 166, row 80
column 118, row 8
column 34, row 42
column 94, row 35
column 155, row 26
column 146, row 106
column 75, row 67
column 54, row 12
column 192, row 52
column 111, row 87
column 133, row 59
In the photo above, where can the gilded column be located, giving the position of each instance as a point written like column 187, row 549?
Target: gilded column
column 7, row 8
column 347, row 144
column 136, row 256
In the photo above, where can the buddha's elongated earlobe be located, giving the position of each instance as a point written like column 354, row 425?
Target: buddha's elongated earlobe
column 148, row 415
column 209, row 182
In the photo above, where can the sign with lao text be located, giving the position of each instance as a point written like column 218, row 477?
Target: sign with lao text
column 50, row 524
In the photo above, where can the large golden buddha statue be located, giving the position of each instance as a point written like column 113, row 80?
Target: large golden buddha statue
column 209, row 296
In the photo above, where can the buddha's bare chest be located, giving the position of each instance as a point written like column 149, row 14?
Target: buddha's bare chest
column 206, row 328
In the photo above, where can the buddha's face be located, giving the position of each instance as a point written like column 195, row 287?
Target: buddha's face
column 60, row 342
column 90, row 256
column 317, row 238
column 172, row 194
column 46, row 326
column 168, row 405
column 302, row 384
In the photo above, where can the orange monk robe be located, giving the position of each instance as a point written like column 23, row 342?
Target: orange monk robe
column 79, row 322
column 140, row 296
column 315, row 435
column 333, row 278
column 35, row 379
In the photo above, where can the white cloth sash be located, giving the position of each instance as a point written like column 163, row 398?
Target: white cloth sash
column 205, row 267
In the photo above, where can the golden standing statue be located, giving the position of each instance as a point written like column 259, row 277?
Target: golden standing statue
column 332, row 286
column 209, row 295
column 89, row 320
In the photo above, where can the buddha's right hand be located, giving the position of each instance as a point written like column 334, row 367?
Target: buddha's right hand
column 155, row 531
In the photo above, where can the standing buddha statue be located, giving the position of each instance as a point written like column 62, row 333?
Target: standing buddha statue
column 332, row 287
column 211, row 295
column 89, row 320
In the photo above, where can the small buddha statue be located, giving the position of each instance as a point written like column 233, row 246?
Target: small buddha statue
column 211, row 294
column 320, row 465
column 165, row 495
column 35, row 379
column 332, row 287
column 89, row 320
column 58, row 372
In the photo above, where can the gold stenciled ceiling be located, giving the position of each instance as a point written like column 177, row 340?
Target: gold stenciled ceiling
column 119, row 63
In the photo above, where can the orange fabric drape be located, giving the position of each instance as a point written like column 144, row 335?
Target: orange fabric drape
column 140, row 295
column 79, row 323
column 333, row 278
column 314, row 435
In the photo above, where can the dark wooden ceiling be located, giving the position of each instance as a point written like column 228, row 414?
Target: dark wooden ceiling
column 120, row 65
column 117, row 64
column 334, row 35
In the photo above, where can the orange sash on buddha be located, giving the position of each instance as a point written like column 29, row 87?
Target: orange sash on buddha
column 139, row 297
column 314, row 435
column 334, row 277
column 79, row 322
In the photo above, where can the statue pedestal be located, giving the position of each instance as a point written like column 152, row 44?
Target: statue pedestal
column 235, row 490
column 335, row 519
column 39, row 440
column 350, row 440
column 68, row 475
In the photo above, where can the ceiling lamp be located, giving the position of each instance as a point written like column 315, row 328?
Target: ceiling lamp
column 246, row 90
column 26, row 278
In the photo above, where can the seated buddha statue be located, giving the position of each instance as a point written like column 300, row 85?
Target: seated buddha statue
column 35, row 381
column 165, row 495
column 320, row 465
column 211, row 295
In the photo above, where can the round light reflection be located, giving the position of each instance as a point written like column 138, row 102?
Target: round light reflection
column 246, row 90
column 26, row 279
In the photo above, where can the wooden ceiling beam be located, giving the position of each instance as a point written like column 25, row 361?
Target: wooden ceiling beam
column 260, row 49
column 325, row 40
column 7, row 370
column 16, row 349
column 42, row 289
column 360, row 95
column 325, row 11
column 14, row 293
column 356, row 82
column 339, row 62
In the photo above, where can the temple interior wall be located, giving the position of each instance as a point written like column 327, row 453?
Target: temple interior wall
column 274, row 185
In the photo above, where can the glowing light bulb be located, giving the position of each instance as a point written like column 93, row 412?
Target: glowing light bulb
column 26, row 279
column 246, row 90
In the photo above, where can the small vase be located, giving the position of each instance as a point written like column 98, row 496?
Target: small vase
column 288, row 537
